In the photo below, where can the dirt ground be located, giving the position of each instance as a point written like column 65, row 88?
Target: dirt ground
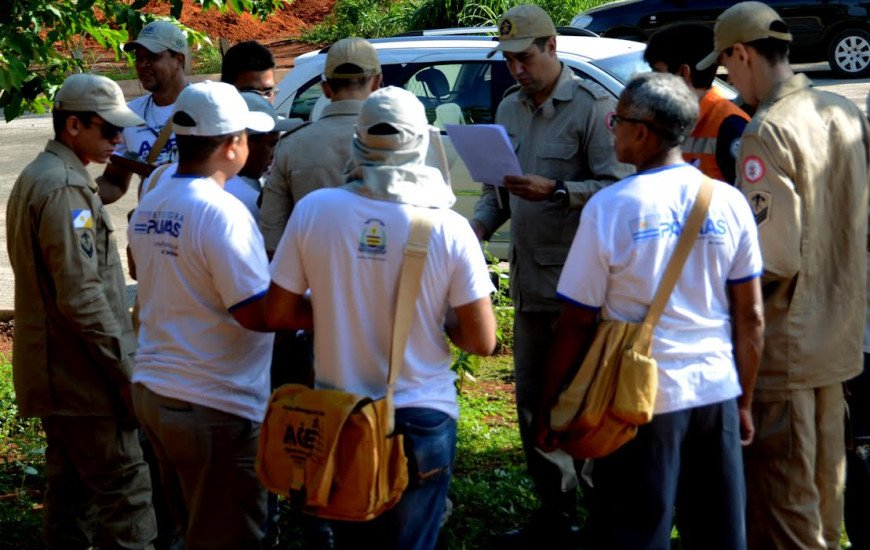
column 6, row 338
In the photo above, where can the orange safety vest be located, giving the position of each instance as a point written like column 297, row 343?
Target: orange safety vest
column 700, row 148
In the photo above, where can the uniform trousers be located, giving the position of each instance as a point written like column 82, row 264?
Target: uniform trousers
column 99, row 489
column 554, row 474
column 795, row 469
column 207, row 470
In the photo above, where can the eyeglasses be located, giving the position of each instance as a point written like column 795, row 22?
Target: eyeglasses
column 614, row 119
column 107, row 131
column 264, row 92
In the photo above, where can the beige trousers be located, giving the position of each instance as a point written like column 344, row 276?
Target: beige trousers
column 795, row 470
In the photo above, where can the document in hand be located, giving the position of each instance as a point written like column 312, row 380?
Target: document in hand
column 486, row 151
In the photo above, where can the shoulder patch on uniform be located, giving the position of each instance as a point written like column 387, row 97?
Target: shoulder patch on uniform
column 82, row 219
column 753, row 169
column 86, row 242
column 594, row 88
column 761, row 203
column 511, row 90
column 735, row 148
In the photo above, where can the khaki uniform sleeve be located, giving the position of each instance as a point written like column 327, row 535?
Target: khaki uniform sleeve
column 71, row 253
column 277, row 201
column 775, row 204
column 487, row 210
column 600, row 156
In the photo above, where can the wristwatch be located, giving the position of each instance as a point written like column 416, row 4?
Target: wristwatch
column 560, row 195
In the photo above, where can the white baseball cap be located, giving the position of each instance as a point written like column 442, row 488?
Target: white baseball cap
column 259, row 104
column 217, row 109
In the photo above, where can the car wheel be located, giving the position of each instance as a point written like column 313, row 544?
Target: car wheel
column 849, row 53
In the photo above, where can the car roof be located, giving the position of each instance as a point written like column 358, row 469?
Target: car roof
column 584, row 47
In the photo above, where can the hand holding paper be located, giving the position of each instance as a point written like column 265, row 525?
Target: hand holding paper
column 486, row 151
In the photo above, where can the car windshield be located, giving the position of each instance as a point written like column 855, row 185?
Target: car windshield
column 623, row 67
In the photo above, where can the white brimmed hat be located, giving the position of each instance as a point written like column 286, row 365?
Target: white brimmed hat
column 217, row 109
column 259, row 104
column 98, row 94
column 159, row 36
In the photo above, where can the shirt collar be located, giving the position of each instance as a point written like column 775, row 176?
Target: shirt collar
column 562, row 91
column 67, row 156
column 788, row 86
column 344, row 107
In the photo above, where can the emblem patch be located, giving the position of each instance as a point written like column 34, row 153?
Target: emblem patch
column 760, row 202
column 506, row 28
column 86, row 243
column 609, row 120
column 373, row 240
column 735, row 148
column 82, row 219
column 753, row 169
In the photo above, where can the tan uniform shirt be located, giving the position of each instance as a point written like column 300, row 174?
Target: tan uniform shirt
column 73, row 340
column 803, row 166
column 312, row 157
column 566, row 138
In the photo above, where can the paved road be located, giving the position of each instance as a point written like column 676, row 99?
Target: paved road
column 22, row 139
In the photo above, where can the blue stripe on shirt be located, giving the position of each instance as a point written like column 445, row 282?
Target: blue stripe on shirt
column 247, row 301
column 576, row 303
column 744, row 279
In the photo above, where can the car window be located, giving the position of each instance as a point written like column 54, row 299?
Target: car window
column 623, row 67
column 454, row 93
column 305, row 99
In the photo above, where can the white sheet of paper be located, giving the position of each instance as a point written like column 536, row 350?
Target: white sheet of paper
column 486, row 150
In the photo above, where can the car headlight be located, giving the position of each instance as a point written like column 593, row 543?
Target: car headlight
column 581, row 21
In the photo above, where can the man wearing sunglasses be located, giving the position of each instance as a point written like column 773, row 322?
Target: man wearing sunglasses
column 161, row 54
column 74, row 340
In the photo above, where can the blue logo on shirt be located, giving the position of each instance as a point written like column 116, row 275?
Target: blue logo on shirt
column 656, row 227
column 158, row 223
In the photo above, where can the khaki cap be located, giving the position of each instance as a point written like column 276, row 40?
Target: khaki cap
column 97, row 94
column 159, row 36
column 352, row 51
column 743, row 22
column 520, row 26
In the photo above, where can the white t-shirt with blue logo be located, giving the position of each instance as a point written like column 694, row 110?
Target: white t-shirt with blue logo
column 348, row 249
column 199, row 255
column 626, row 236
column 138, row 140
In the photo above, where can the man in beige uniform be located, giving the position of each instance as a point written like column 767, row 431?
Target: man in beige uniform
column 314, row 155
column 803, row 166
column 558, row 125
column 74, row 342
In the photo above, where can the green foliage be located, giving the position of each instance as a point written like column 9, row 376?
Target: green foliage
column 382, row 18
column 42, row 42
column 207, row 60
column 503, row 304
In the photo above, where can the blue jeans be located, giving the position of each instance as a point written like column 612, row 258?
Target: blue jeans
column 688, row 459
column 413, row 524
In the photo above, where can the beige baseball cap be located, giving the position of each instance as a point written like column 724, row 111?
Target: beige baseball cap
column 743, row 22
column 352, row 51
column 258, row 104
column 98, row 94
column 520, row 26
column 159, row 36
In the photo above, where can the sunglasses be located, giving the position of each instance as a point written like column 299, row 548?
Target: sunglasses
column 265, row 92
column 107, row 131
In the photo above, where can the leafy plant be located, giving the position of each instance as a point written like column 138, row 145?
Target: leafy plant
column 207, row 59
column 41, row 41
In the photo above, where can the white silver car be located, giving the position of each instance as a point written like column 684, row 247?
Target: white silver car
column 458, row 84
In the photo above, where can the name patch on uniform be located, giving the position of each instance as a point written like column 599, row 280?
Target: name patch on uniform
column 760, row 202
column 753, row 169
column 82, row 219
column 373, row 239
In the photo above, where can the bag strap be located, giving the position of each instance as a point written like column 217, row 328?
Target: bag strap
column 409, row 287
column 679, row 256
column 154, row 178
column 159, row 143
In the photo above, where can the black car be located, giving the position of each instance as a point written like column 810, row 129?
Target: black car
column 836, row 31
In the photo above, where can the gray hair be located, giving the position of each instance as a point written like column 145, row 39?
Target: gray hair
column 665, row 101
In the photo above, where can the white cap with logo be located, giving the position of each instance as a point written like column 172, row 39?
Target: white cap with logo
column 217, row 109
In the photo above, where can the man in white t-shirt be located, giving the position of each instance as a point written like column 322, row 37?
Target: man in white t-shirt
column 346, row 244
column 161, row 53
column 707, row 343
column 202, row 371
